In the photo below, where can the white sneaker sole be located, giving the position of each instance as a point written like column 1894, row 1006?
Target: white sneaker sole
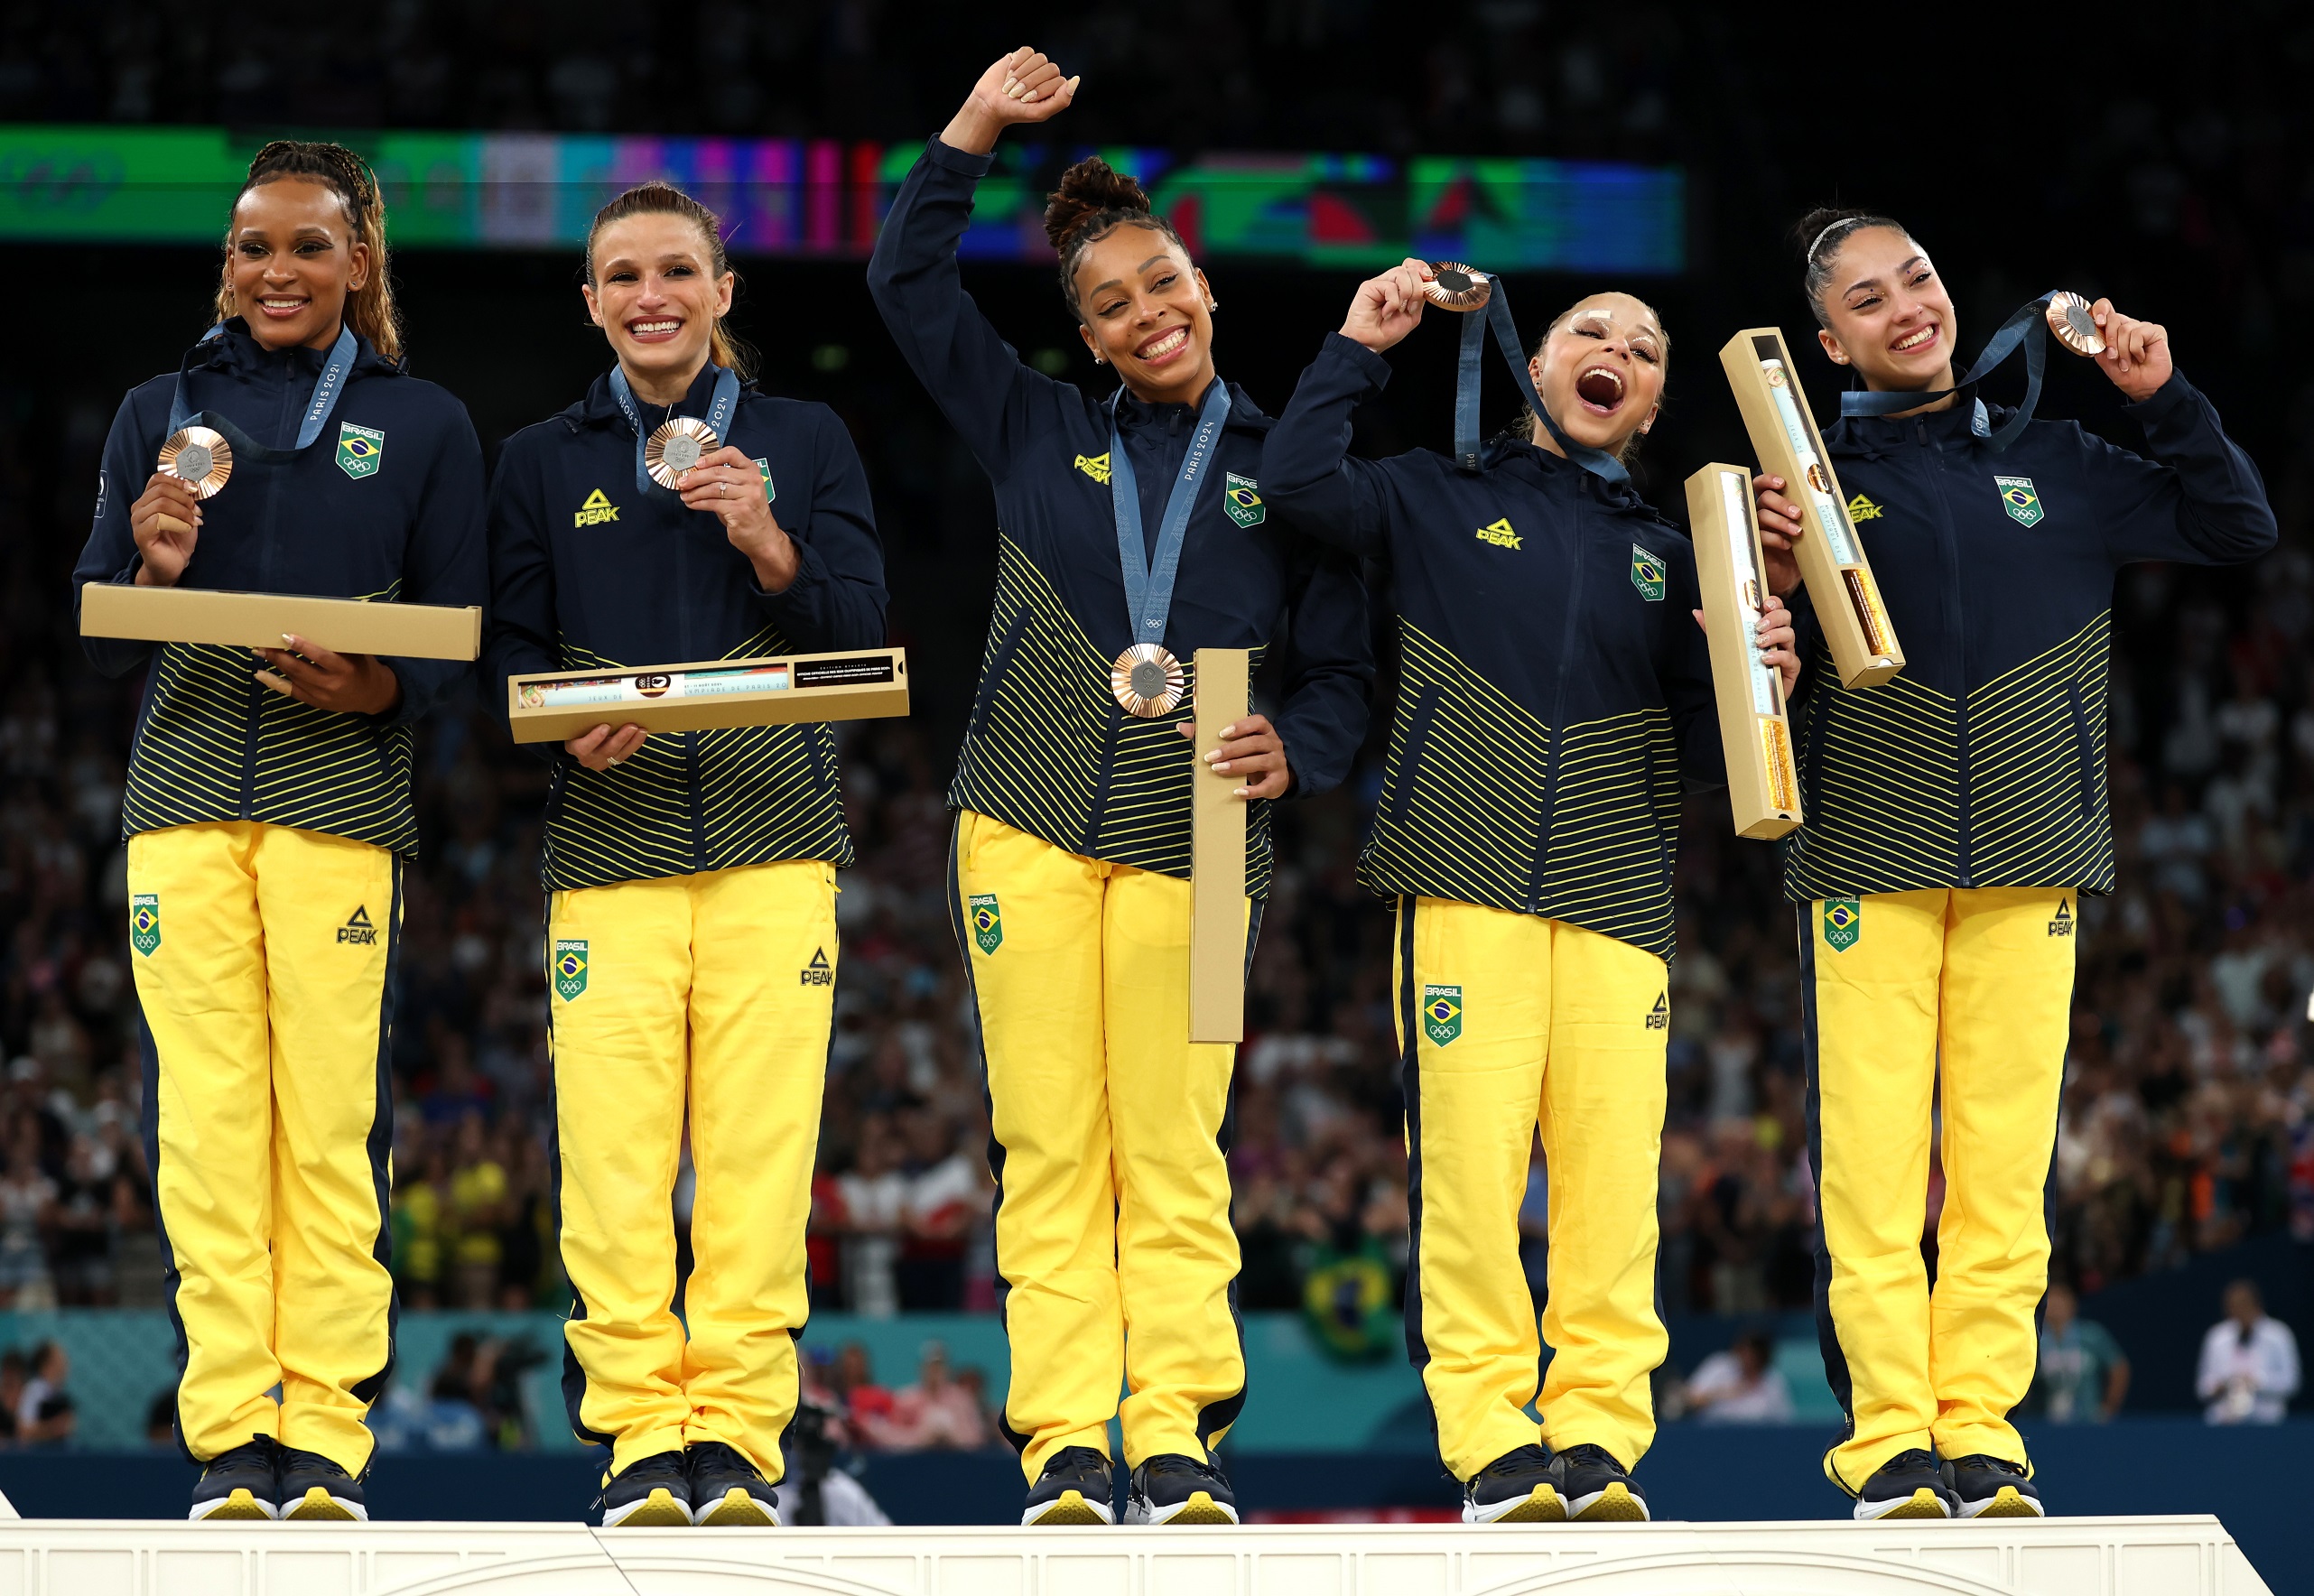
column 1616, row 1504
column 242, row 1506
column 318, row 1506
column 2008, row 1502
column 1923, row 1503
column 658, row 1511
column 1070, row 1507
column 1541, row 1505
column 1200, row 1508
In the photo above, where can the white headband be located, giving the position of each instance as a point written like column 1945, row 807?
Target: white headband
column 1844, row 222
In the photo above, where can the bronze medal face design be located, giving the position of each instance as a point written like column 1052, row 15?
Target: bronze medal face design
column 2075, row 324
column 1147, row 682
column 675, row 448
column 1775, row 377
column 1454, row 286
column 200, row 456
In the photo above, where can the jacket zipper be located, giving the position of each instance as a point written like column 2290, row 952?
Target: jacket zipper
column 268, row 581
column 693, row 800
column 1956, row 633
column 1569, row 635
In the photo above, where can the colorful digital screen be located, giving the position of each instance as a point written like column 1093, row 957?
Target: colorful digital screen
column 826, row 198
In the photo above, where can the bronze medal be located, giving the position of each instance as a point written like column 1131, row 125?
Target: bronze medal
column 198, row 456
column 2074, row 323
column 1147, row 682
column 675, row 448
column 1454, row 286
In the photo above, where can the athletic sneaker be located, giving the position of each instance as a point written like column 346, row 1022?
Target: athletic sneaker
column 1075, row 1488
column 727, row 1489
column 1171, row 1489
column 653, row 1492
column 1909, row 1485
column 1986, row 1487
column 314, row 1488
column 241, row 1483
column 1520, row 1486
column 1598, row 1489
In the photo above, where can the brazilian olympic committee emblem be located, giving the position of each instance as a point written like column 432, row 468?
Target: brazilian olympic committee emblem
column 987, row 923
column 570, row 968
column 360, row 451
column 144, row 922
column 1646, row 574
column 763, row 467
column 2018, row 497
column 1442, row 1012
column 1242, row 498
column 1843, row 922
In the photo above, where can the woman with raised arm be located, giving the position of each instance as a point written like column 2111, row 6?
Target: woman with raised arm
column 1133, row 533
column 1554, row 689
column 269, row 815
column 690, row 938
column 1956, row 815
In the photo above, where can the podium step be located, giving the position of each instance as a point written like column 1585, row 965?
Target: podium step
column 2169, row 1556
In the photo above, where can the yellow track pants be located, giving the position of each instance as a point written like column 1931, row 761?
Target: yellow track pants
column 1508, row 1024
column 264, row 960
column 1112, row 1222
column 714, row 992
column 1955, row 1000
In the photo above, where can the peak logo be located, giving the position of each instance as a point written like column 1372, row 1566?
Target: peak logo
column 1095, row 467
column 357, row 929
column 1658, row 1018
column 819, row 972
column 597, row 510
column 1500, row 533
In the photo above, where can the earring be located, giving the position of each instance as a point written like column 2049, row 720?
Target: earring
column 1212, row 306
column 1101, row 360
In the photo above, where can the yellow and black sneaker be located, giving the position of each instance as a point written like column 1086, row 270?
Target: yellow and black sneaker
column 1172, row 1488
column 244, row 1483
column 1520, row 1486
column 1909, row 1485
column 726, row 1489
column 1984, row 1487
column 312, row 1487
column 649, row 1493
column 1598, row 1488
column 1077, row 1487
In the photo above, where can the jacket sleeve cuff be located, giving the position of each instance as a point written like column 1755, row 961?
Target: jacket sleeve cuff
column 1372, row 367
column 811, row 570
column 961, row 161
column 2157, row 406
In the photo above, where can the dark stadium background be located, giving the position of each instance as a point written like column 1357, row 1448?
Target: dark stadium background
column 2129, row 151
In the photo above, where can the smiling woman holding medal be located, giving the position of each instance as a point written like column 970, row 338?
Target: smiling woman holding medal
column 1133, row 533
column 678, row 514
column 268, row 816
column 1956, row 817
column 1554, row 687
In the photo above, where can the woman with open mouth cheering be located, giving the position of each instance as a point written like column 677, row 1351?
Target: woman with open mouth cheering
column 1133, row 533
column 1553, row 693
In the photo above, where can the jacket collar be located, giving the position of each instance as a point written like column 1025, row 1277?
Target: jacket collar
column 1555, row 473
column 1245, row 415
column 601, row 407
column 235, row 350
column 1967, row 420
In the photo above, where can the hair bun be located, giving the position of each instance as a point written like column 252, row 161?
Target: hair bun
column 1088, row 188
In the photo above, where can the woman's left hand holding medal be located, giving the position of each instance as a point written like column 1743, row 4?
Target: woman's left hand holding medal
column 1252, row 751
column 730, row 485
column 165, row 521
column 342, row 684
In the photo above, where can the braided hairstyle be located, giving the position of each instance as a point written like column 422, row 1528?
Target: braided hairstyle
column 658, row 198
column 1818, row 236
column 369, row 309
column 1094, row 199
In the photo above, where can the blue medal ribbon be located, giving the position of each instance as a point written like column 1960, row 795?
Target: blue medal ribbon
column 2028, row 326
column 1496, row 314
column 327, row 390
column 718, row 417
column 1149, row 573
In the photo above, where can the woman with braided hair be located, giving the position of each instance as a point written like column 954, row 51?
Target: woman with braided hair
column 269, row 816
column 1070, row 855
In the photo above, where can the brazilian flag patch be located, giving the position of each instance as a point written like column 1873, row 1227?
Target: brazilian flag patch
column 1242, row 497
column 1646, row 574
column 763, row 468
column 570, row 968
column 1441, row 1013
column 360, row 451
column 144, row 922
column 1843, row 922
column 2020, row 499
column 987, row 922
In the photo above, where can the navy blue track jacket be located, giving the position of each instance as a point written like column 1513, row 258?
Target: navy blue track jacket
column 398, row 515
column 1555, row 694
column 1984, row 764
column 1048, row 750
column 589, row 572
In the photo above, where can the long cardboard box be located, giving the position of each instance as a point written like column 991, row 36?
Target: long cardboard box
column 1847, row 601
column 863, row 684
column 257, row 620
column 1762, row 779
column 1217, row 915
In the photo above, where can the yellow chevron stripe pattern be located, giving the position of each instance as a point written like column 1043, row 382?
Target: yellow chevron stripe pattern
column 215, row 746
column 1049, row 752
column 765, row 794
column 1881, row 772
column 1463, row 813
